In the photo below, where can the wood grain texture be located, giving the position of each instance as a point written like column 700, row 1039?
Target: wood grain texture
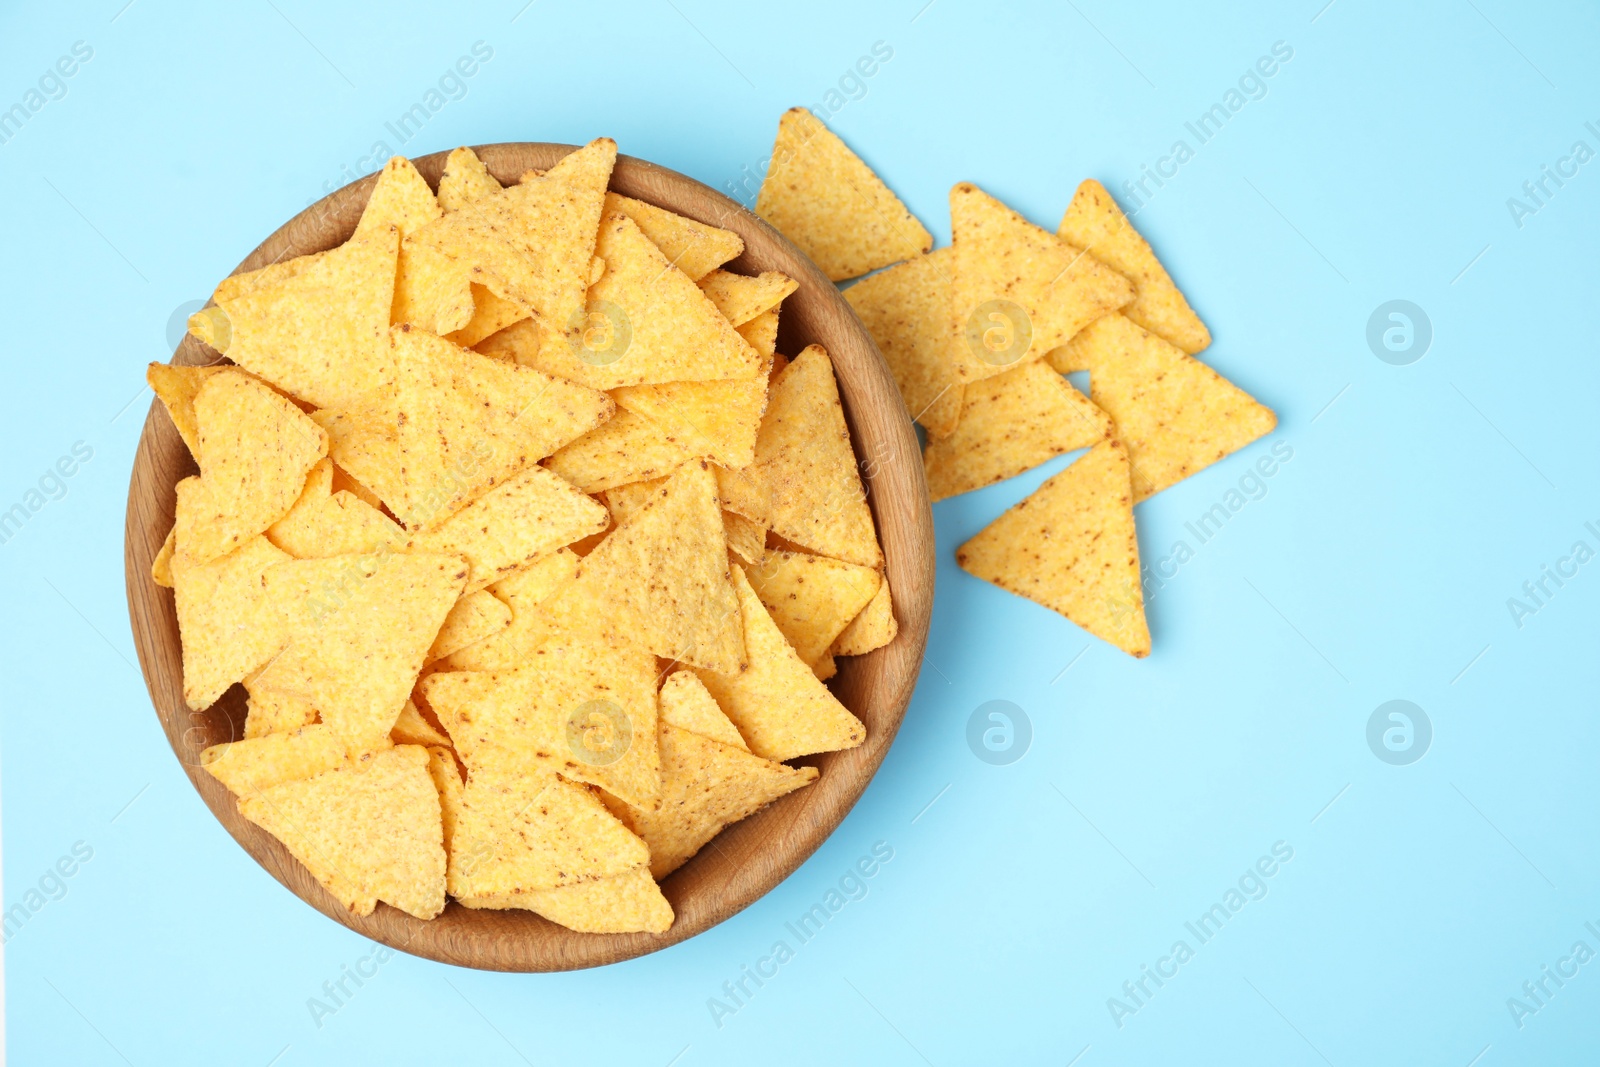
column 749, row 858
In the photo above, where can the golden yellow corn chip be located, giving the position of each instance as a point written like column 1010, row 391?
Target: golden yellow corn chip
column 1017, row 291
column 873, row 628
column 821, row 196
column 1175, row 414
column 716, row 420
column 474, row 617
column 519, row 343
column 810, row 598
column 272, row 712
column 761, row 334
column 212, row 326
column 366, row 445
column 1011, row 423
column 468, row 422
column 693, row 247
column 515, row 522
column 358, row 630
column 227, row 626
column 263, row 278
column 581, row 707
column 341, row 525
column 1071, row 547
column 906, row 309
column 623, row 500
column 660, row 580
column 686, row 704
column 525, row 591
column 344, row 481
column 490, row 315
column 747, row 538
column 531, row 243
column 519, row 830
column 323, row 334
column 1096, row 224
column 625, row 448
column 367, row 832
column 161, row 566
column 177, row 387
column 618, row 904
column 806, row 465
column 741, row 298
column 430, row 290
column 465, row 179
column 255, row 450
column 781, row 709
column 410, row 728
column 401, row 198
column 273, row 758
column 826, row 667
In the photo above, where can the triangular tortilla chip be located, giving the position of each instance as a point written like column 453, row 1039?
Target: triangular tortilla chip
column 365, row 443
column 211, row 326
column 513, row 524
column 1011, row 423
column 821, row 196
column 872, row 629
column 468, row 422
column 273, row 758
column 368, row 832
column 810, row 598
column 227, row 626
column 1096, row 224
column 623, row 500
column 272, row 274
column 519, row 830
column 475, row 616
column 430, row 290
column 626, row 448
column 660, row 580
column 323, row 334
column 625, row 903
column 464, row 180
column 271, row 712
column 761, row 334
column 341, row 525
column 410, row 728
column 177, row 387
column 524, row 591
column 255, row 450
column 807, row 467
column 1018, row 291
column 688, row 705
column 490, row 315
column 705, row 786
column 747, row 538
column 646, row 322
column 693, row 247
column 401, row 198
column 1175, row 414
column 717, row 420
column 519, row 343
column 780, row 708
column 1071, row 547
column 581, row 707
column 742, row 298
column 161, row 566
column 531, row 243
column 906, row 309
column 359, row 628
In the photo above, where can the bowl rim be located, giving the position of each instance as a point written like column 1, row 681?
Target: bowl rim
column 879, row 684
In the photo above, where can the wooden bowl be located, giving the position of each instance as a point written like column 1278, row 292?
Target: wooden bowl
column 748, row 858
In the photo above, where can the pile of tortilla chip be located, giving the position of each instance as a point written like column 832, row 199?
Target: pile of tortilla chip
column 979, row 336
column 530, row 551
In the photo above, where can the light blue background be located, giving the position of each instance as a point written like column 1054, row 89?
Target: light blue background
column 1377, row 566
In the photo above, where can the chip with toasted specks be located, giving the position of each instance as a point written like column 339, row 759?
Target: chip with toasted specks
column 821, row 196
column 688, row 705
column 715, row 420
column 430, row 290
column 623, row 500
column 490, row 315
column 519, row 343
column 810, row 598
column 411, row 728
column 518, row 830
column 626, row 448
column 693, row 247
column 161, row 566
column 1095, row 223
column 1174, row 414
column 212, row 326
column 323, row 334
column 1017, row 291
column 370, row 831
column 746, row 538
column 278, row 756
column 625, row 903
column 464, row 180
column 781, row 709
column 255, row 450
column 873, row 628
column 271, row 712
column 358, row 630
column 526, row 591
column 761, row 334
column 343, row 524
column 365, row 443
column 1011, row 423
column 177, row 387
column 705, row 785
column 805, row 463
column 741, row 298
column 906, row 309
column 826, row 667
column 475, row 616
column 514, row 523
column 1070, row 546
column 264, row 277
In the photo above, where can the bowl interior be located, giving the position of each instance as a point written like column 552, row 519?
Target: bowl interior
column 747, row 859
